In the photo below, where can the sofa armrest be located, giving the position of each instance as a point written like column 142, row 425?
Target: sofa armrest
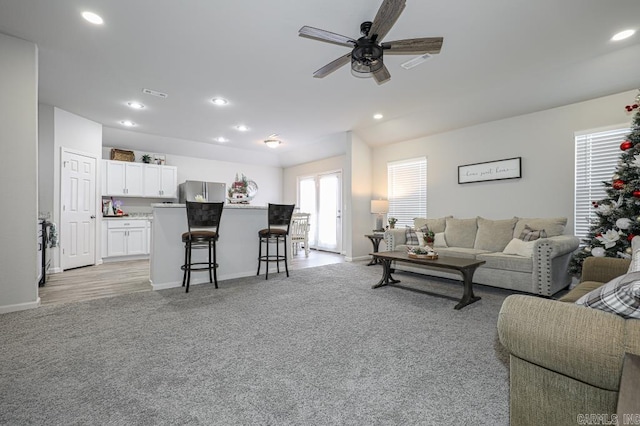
column 551, row 258
column 394, row 237
column 582, row 343
column 558, row 245
column 603, row 269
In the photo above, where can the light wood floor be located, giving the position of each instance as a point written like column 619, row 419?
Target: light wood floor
column 132, row 276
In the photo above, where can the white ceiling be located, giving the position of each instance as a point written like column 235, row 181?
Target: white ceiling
column 500, row 58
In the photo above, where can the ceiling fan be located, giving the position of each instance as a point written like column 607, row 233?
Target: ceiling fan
column 366, row 57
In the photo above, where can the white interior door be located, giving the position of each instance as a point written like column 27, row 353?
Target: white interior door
column 321, row 195
column 78, row 219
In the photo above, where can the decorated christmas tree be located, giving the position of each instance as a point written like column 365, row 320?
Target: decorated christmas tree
column 618, row 215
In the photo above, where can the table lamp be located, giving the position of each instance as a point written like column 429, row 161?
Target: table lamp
column 379, row 207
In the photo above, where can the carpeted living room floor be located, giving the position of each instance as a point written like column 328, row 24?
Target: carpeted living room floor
column 320, row 348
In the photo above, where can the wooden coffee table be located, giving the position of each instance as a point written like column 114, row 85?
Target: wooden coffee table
column 465, row 266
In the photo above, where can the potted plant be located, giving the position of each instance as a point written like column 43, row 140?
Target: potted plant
column 392, row 222
column 146, row 158
column 429, row 237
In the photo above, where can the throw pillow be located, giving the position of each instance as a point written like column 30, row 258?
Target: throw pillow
column 461, row 232
column 634, row 266
column 439, row 240
column 436, row 225
column 494, row 235
column 529, row 234
column 519, row 248
column 553, row 226
column 411, row 237
column 620, row 296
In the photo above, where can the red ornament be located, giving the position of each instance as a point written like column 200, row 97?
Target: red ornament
column 630, row 237
column 626, row 145
column 618, row 184
column 636, row 193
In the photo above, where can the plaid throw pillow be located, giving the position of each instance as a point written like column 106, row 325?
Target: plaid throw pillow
column 412, row 237
column 620, row 296
column 529, row 234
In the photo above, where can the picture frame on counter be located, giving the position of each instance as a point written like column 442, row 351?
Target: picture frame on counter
column 509, row 168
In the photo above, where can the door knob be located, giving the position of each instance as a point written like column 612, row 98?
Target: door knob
column 93, row 217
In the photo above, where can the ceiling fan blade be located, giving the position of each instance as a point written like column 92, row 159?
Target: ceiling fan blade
column 382, row 75
column 332, row 66
column 327, row 36
column 413, row 45
column 387, row 15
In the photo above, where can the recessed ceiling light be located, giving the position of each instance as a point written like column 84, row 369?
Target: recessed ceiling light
column 127, row 123
column 272, row 143
column 242, row 128
column 93, row 18
column 135, row 105
column 221, row 139
column 219, row 101
column 623, row 34
column 378, row 116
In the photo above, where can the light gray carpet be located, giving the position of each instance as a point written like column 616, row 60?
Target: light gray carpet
column 318, row 348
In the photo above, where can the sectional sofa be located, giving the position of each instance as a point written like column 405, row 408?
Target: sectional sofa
column 538, row 266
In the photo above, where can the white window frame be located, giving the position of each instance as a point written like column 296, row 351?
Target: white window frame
column 597, row 153
column 407, row 189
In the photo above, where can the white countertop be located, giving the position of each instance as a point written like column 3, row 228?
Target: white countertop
column 226, row 206
column 130, row 217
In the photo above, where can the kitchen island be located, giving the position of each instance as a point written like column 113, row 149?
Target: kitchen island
column 237, row 246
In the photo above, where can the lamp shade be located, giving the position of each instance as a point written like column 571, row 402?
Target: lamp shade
column 379, row 206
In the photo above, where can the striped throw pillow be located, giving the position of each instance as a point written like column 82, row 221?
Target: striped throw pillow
column 411, row 236
column 620, row 296
column 529, row 234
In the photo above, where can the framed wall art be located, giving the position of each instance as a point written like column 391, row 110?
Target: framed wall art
column 510, row 168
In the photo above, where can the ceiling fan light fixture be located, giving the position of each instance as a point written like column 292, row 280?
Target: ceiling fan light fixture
column 366, row 58
column 272, row 143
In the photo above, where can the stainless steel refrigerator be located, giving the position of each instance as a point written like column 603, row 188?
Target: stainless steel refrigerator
column 213, row 192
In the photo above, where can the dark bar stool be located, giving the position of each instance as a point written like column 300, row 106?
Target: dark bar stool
column 204, row 221
column 279, row 223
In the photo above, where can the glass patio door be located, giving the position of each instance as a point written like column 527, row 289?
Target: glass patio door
column 321, row 195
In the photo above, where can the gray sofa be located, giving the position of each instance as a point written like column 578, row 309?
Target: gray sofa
column 540, row 267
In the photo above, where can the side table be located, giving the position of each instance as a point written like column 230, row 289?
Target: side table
column 375, row 241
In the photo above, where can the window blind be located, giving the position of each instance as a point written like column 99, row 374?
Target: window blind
column 407, row 190
column 597, row 156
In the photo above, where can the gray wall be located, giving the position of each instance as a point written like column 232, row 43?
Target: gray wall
column 544, row 140
column 19, row 177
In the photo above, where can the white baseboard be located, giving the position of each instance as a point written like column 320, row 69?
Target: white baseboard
column 204, row 278
column 355, row 259
column 54, row 270
column 19, row 307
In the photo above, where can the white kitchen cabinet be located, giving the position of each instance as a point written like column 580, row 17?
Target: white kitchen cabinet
column 160, row 181
column 123, row 178
column 125, row 237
